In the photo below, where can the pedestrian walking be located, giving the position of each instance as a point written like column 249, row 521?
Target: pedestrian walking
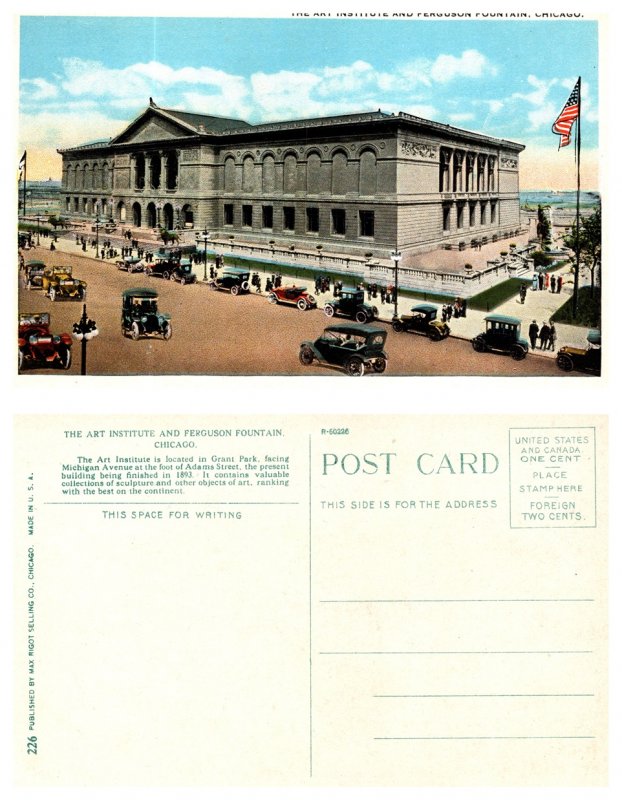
column 559, row 283
column 540, row 282
column 545, row 333
column 553, row 283
column 523, row 293
column 552, row 336
column 534, row 282
column 533, row 334
column 547, row 278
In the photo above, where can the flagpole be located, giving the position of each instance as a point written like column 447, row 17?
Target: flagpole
column 575, row 291
column 24, row 186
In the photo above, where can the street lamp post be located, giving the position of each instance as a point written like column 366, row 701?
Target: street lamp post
column 84, row 331
column 205, row 236
column 396, row 257
column 97, row 234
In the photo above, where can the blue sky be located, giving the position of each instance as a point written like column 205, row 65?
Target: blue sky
column 85, row 78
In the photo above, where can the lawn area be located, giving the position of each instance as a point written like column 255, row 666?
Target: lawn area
column 493, row 297
column 588, row 309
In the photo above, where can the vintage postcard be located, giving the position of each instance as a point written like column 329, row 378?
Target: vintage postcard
column 311, row 601
column 382, row 194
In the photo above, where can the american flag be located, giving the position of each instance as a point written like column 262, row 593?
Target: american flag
column 569, row 113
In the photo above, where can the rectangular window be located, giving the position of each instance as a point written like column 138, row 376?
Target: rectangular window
column 247, row 216
column 366, row 224
column 289, row 218
column 460, row 215
column 266, row 217
column 228, row 214
column 471, row 215
column 313, row 220
column 493, row 213
column 338, row 216
column 446, row 217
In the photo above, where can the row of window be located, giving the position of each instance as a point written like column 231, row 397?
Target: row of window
column 338, row 219
column 483, row 213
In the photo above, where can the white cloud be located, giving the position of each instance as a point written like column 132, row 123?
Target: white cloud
column 471, row 64
column 464, row 117
column 37, row 89
column 52, row 130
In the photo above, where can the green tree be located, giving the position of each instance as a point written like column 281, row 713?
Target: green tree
column 543, row 227
column 590, row 243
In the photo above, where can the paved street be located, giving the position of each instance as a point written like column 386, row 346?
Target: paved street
column 217, row 334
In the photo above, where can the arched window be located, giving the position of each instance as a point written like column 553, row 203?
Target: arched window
column 229, row 174
column 339, row 173
column 136, row 215
column 289, row 174
column 368, row 177
column 268, row 175
column 313, row 173
column 248, row 174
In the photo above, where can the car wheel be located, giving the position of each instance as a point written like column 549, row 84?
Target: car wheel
column 397, row 325
column 64, row 358
column 564, row 362
column 213, row 286
column 168, row 331
column 235, row 290
column 329, row 310
column 311, row 300
column 82, row 294
column 52, row 293
column 148, row 272
column 478, row 345
column 306, row 356
column 361, row 317
column 245, row 286
column 375, row 312
column 166, row 275
column 302, row 304
column 434, row 335
column 135, row 331
column 272, row 298
column 355, row 367
column 380, row 364
column 518, row 353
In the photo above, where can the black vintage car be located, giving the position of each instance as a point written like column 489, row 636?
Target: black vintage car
column 355, row 348
column 161, row 268
column 502, row 335
column 234, row 279
column 423, row 318
column 182, row 273
column 140, row 315
column 33, row 274
column 131, row 264
column 351, row 303
column 585, row 359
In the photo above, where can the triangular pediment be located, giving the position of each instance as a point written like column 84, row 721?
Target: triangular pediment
column 152, row 126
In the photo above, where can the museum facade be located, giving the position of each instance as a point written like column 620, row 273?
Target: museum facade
column 355, row 184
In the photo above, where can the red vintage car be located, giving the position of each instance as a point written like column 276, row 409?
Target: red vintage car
column 293, row 295
column 38, row 346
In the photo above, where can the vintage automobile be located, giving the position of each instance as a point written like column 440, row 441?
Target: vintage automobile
column 58, row 282
column 234, row 279
column 33, row 274
column 182, row 272
column 423, row 318
column 585, row 359
column 502, row 335
column 140, row 315
column 293, row 295
column 38, row 346
column 131, row 264
column 354, row 348
column 351, row 303
column 161, row 268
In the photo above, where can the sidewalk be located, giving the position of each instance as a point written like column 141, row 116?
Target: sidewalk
column 539, row 305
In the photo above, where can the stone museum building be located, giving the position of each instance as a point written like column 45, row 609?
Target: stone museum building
column 355, row 184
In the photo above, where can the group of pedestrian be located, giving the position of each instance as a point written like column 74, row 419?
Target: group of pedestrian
column 544, row 282
column 454, row 310
column 546, row 334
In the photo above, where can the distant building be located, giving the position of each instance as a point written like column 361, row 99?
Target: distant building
column 353, row 183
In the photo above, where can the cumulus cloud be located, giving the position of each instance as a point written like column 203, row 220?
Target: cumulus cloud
column 471, row 64
column 37, row 89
